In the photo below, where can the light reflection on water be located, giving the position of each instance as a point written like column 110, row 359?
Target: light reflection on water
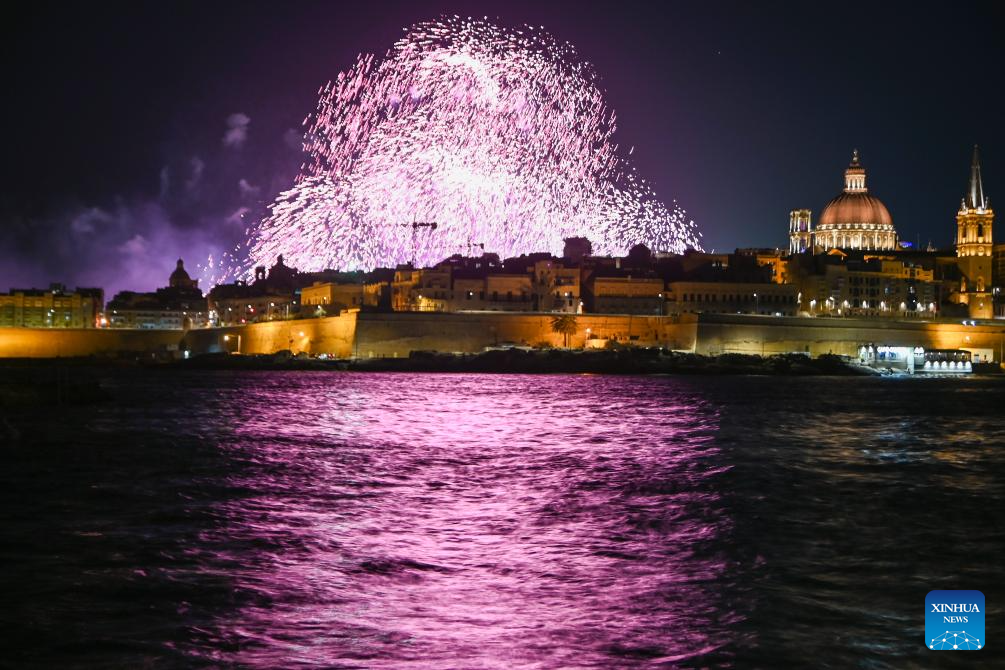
column 498, row 521
column 269, row 520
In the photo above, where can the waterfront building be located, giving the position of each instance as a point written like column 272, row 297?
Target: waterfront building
column 432, row 292
column 620, row 292
column 468, row 291
column 240, row 302
column 974, row 246
column 179, row 305
column 855, row 219
column 406, row 278
column 538, row 282
column 332, row 297
column 54, row 307
column 557, row 286
column 509, row 292
column 274, row 294
column 856, row 284
column 722, row 297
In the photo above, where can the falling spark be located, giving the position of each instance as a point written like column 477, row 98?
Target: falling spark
column 501, row 137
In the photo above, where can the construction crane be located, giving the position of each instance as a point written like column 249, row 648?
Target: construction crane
column 415, row 233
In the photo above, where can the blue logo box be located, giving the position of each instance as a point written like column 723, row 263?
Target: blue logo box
column 954, row 620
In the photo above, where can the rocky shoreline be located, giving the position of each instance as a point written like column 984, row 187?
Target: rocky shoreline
column 548, row 361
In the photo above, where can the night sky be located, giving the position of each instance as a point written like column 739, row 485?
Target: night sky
column 136, row 134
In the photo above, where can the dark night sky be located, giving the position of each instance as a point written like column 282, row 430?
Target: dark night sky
column 115, row 114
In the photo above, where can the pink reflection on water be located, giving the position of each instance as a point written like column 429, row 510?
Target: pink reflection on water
column 474, row 521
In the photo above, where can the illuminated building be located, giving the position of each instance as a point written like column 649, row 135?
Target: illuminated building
column 800, row 231
column 770, row 259
column 54, row 307
column 272, row 295
column 557, row 286
column 855, row 219
column 538, row 282
column 714, row 297
column 854, row 284
column 406, row 278
column 179, row 305
column 974, row 246
column 431, row 293
column 625, row 293
column 998, row 276
column 506, row 292
column 333, row 296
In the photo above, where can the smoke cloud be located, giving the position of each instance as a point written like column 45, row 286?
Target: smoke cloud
column 198, row 207
column 237, row 130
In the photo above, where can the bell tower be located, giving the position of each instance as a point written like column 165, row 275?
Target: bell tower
column 974, row 244
column 800, row 231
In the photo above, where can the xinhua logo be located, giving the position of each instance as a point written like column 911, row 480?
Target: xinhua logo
column 954, row 620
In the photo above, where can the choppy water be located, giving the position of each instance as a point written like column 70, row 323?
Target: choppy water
column 337, row 520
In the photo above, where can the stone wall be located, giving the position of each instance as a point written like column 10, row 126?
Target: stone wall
column 369, row 334
column 63, row 342
column 331, row 335
column 397, row 334
column 718, row 334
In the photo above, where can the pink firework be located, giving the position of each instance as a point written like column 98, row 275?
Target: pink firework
column 500, row 136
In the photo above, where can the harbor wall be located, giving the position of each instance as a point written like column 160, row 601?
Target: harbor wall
column 67, row 342
column 371, row 334
column 331, row 335
column 718, row 334
column 397, row 334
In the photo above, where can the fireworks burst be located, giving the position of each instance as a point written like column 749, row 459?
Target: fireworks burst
column 501, row 137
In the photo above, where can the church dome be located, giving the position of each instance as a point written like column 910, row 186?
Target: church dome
column 852, row 208
column 179, row 278
column 855, row 219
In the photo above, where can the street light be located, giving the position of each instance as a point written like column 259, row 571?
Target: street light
column 226, row 338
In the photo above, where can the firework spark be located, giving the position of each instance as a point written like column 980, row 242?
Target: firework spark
column 502, row 137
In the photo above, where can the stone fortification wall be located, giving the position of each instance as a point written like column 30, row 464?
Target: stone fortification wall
column 399, row 333
column 63, row 342
column 717, row 334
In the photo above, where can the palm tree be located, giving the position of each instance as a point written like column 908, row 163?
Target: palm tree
column 566, row 325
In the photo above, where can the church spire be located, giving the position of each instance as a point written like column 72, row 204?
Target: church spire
column 975, row 194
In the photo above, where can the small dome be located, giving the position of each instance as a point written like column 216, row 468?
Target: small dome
column 855, row 208
column 179, row 277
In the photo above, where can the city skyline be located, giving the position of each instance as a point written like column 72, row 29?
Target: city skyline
column 187, row 172
column 501, row 334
